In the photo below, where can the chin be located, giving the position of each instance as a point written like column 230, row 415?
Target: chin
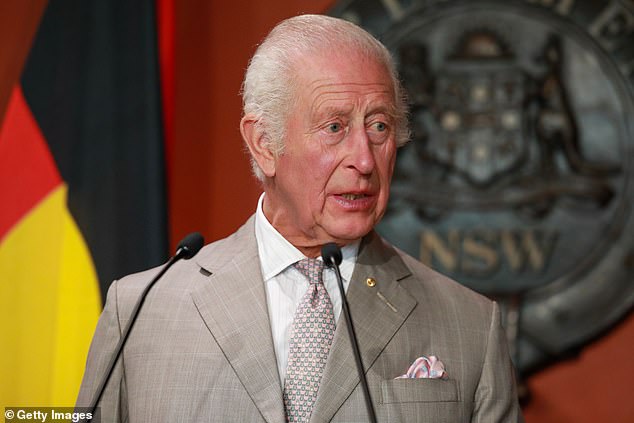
column 351, row 232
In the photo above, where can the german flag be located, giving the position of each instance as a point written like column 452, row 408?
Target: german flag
column 82, row 189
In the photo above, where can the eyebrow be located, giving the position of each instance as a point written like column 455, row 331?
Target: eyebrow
column 333, row 110
column 388, row 108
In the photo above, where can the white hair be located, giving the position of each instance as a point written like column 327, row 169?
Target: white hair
column 269, row 83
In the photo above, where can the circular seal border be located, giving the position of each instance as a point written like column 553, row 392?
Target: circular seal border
column 565, row 314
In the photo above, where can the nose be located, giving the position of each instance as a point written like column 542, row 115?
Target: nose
column 360, row 153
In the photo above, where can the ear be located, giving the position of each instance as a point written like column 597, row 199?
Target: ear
column 258, row 143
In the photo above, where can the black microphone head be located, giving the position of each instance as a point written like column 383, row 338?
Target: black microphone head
column 190, row 245
column 331, row 254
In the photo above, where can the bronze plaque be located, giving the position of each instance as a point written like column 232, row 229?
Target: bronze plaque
column 518, row 181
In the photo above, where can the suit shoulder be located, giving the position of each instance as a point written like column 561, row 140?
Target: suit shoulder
column 442, row 286
column 134, row 282
column 218, row 253
column 216, row 249
column 178, row 277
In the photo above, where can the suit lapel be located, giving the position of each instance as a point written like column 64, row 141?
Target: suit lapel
column 232, row 302
column 377, row 314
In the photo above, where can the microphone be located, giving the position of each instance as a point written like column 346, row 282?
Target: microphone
column 187, row 248
column 190, row 245
column 331, row 254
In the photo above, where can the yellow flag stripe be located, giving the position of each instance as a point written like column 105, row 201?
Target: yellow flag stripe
column 49, row 303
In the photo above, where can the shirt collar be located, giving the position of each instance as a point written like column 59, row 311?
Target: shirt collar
column 276, row 253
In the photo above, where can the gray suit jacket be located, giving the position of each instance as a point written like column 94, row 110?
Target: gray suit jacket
column 202, row 350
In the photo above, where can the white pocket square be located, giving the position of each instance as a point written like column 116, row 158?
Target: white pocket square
column 425, row 368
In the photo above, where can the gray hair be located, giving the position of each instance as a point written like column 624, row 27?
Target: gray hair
column 269, row 83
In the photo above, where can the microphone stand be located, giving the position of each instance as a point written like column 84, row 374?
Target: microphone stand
column 332, row 257
column 187, row 248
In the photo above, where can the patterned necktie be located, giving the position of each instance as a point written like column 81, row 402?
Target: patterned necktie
column 313, row 331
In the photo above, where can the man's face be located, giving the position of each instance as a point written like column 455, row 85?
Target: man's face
column 331, row 183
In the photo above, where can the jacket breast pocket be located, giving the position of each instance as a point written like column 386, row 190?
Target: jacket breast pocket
column 418, row 390
column 421, row 401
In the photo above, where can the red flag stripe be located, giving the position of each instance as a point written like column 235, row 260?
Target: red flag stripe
column 27, row 168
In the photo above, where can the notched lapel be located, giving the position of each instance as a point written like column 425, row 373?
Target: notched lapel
column 377, row 313
column 232, row 301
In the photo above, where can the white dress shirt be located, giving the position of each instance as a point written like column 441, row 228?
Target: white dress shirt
column 285, row 286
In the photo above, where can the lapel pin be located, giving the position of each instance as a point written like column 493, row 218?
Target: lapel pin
column 370, row 282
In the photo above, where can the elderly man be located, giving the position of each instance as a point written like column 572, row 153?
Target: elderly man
column 249, row 330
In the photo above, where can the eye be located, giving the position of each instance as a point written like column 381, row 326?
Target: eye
column 333, row 131
column 335, row 127
column 380, row 126
column 378, row 131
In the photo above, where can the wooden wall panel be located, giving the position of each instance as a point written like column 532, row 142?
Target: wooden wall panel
column 212, row 187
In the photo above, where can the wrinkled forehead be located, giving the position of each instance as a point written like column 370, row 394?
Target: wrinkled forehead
column 344, row 66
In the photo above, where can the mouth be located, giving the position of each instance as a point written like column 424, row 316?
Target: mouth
column 356, row 201
column 353, row 196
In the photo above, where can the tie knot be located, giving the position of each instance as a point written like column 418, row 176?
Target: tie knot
column 311, row 268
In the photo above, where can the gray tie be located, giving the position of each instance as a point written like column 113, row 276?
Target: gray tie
column 313, row 332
